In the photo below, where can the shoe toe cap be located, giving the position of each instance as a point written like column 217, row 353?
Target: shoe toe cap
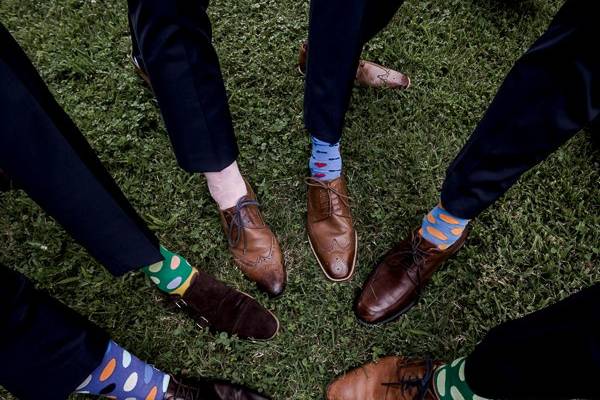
column 343, row 389
column 273, row 283
column 257, row 323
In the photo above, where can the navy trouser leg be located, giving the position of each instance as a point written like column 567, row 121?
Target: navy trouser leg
column 174, row 43
column 551, row 354
column 46, row 349
column 337, row 33
column 550, row 94
column 42, row 150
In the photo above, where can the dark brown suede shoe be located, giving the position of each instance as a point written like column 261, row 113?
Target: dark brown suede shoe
column 396, row 283
column 220, row 308
column 254, row 247
column 390, row 378
column 331, row 233
column 368, row 73
column 209, row 390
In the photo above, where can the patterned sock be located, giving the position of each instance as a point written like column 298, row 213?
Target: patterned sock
column 450, row 384
column 325, row 161
column 442, row 228
column 172, row 275
column 123, row 376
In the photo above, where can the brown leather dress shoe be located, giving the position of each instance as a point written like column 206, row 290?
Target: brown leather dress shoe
column 395, row 284
column 390, row 378
column 209, row 390
column 331, row 233
column 254, row 247
column 220, row 308
column 368, row 74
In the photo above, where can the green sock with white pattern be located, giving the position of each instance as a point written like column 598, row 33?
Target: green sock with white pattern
column 173, row 275
column 450, row 384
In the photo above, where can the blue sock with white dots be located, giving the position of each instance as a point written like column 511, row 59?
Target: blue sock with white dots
column 123, row 376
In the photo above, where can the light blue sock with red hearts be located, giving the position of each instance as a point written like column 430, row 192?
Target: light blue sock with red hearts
column 325, row 161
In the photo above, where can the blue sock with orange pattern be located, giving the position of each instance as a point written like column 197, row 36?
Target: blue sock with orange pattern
column 442, row 228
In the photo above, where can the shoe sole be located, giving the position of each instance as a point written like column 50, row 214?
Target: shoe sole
column 353, row 262
column 270, row 312
column 391, row 318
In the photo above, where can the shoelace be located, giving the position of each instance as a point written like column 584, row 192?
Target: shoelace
column 345, row 199
column 418, row 258
column 237, row 222
column 422, row 384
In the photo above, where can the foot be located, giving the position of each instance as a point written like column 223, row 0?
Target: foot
column 220, row 308
column 209, row 389
column 396, row 283
column 254, row 247
column 331, row 233
column 390, row 378
column 368, row 74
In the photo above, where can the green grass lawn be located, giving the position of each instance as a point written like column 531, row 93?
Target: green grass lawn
column 537, row 245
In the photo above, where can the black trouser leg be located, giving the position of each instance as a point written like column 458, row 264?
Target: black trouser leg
column 337, row 33
column 47, row 156
column 174, row 40
column 550, row 354
column 378, row 14
column 551, row 93
column 46, row 349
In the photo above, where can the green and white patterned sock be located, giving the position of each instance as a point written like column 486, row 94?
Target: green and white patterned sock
column 450, row 384
column 173, row 274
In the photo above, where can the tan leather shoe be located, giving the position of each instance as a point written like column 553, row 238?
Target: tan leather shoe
column 396, row 283
column 368, row 73
column 220, row 308
column 205, row 389
column 390, row 378
column 331, row 233
column 254, row 247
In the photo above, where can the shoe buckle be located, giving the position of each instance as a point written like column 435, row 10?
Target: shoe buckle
column 203, row 323
column 181, row 303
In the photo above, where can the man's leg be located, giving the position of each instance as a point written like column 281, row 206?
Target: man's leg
column 47, row 156
column 553, row 353
column 552, row 92
column 173, row 41
column 47, row 348
column 50, row 351
column 338, row 31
